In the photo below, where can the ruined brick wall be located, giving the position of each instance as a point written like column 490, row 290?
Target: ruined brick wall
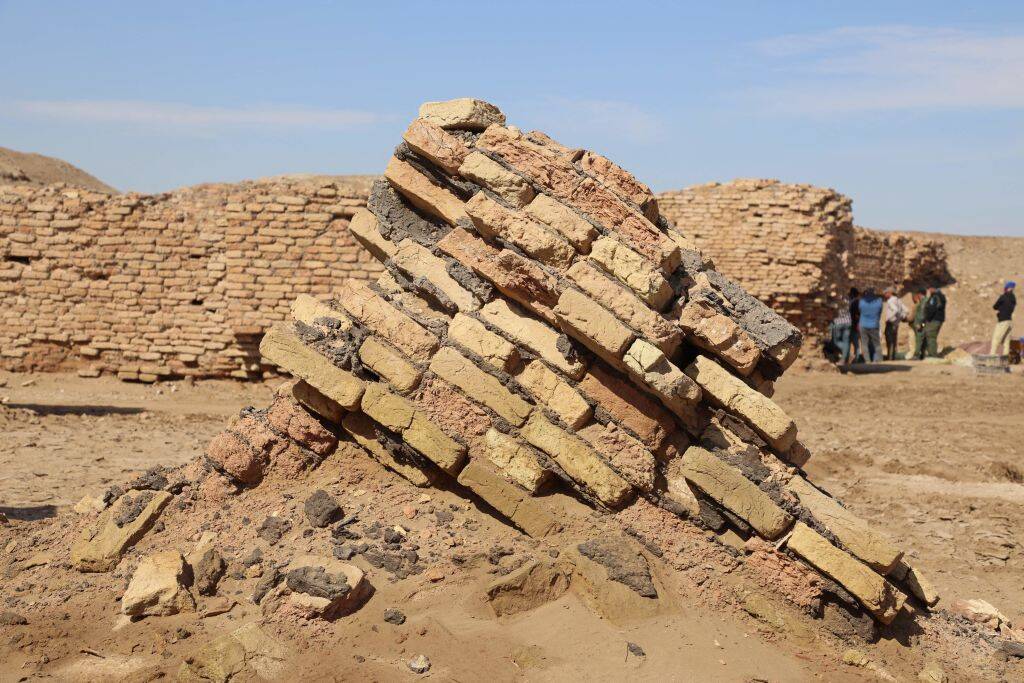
column 795, row 247
column 174, row 284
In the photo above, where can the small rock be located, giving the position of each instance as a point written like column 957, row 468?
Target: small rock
column 443, row 517
column 434, row 574
column 322, row 509
column 157, row 587
column 981, row 612
column 216, row 607
column 270, row 579
column 12, row 619
column 409, row 511
column 932, row 673
column 89, row 505
column 394, row 616
column 855, row 658
column 622, row 562
column 635, row 650
column 255, row 557
column 1011, row 648
column 273, row 528
column 392, row 536
column 344, row 552
column 208, row 572
column 419, row 664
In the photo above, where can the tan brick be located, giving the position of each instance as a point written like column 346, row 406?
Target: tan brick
column 570, row 224
column 389, row 364
column 306, row 309
column 531, row 334
column 464, row 113
column 516, row 460
column 365, row 228
column 423, row 194
column 714, row 332
column 878, row 595
column 625, row 304
column 578, row 460
column 404, row 333
column 431, row 141
column 494, row 220
column 306, row 394
column 473, row 336
column 621, row 181
column 415, row 260
column 515, row 276
column 623, row 452
column 726, row 485
column 401, row 415
column 548, row 168
column 628, row 406
column 453, row 367
column 759, row 411
column 364, row 432
column 484, row 171
column 584, row 319
column 915, row 582
column 512, row 502
column 282, row 347
column 548, row 389
column 854, row 533
column 649, row 364
column 633, row 270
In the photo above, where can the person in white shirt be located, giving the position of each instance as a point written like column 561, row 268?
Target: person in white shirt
column 895, row 313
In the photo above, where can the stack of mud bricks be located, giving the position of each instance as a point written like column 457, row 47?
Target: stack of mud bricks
column 896, row 259
column 179, row 284
column 539, row 323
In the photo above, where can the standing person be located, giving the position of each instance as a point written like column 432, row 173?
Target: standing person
column 1004, row 320
column 842, row 328
column 895, row 313
column 934, row 316
column 854, row 304
column 917, row 324
column 870, row 306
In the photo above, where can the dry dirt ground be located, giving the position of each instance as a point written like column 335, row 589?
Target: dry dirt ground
column 929, row 452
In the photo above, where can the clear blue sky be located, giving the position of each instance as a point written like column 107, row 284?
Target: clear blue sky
column 913, row 109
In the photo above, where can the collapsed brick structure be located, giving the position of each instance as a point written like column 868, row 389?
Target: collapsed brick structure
column 170, row 285
column 795, row 247
column 538, row 321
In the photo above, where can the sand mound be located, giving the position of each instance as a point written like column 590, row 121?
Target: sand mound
column 37, row 169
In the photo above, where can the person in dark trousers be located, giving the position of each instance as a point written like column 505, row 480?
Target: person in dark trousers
column 895, row 313
column 934, row 316
column 842, row 328
column 870, row 306
column 855, row 324
column 1003, row 307
column 917, row 324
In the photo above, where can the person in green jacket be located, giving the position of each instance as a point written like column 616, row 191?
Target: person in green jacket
column 917, row 324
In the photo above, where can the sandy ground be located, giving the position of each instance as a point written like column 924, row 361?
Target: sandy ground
column 931, row 453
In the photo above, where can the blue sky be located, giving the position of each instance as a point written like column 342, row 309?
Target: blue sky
column 913, row 109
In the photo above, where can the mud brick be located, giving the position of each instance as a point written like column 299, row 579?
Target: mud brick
column 759, row 411
column 305, row 309
column 649, row 364
column 364, row 431
column 464, row 113
column 727, row 485
column 854, row 533
column 495, row 221
column 915, row 582
column 416, row 261
column 484, row 171
column 453, row 367
column 626, row 306
column 876, row 594
column 306, row 394
column 512, row 502
column 289, row 417
column 404, row 333
column 623, row 452
column 401, row 415
column 621, row 181
column 628, row 406
column 365, row 228
column 431, row 141
column 718, row 334
column 531, row 334
column 515, row 276
column 584, row 319
column 570, row 224
column 471, row 334
column 424, row 194
column 578, row 460
column 633, row 270
column 516, row 460
column 556, row 395
column 389, row 364
column 282, row 347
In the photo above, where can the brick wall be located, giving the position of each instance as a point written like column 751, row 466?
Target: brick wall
column 795, row 247
column 174, row 284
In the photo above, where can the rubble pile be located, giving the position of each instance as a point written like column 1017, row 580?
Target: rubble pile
column 540, row 324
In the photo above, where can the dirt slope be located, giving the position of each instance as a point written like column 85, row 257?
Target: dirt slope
column 36, row 169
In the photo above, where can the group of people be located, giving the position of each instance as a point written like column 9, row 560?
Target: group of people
column 863, row 319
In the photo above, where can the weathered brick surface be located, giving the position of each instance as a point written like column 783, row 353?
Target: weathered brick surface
column 553, row 393
column 416, row 261
column 453, row 367
column 494, row 220
column 471, row 334
column 366, row 229
column 401, row 415
column 404, row 333
column 513, row 502
column 584, row 319
column 364, row 432
column 282, row 347
column 516, row 460
column 488, row 173
column 624, row 452
column 389, row 364
column 627, row 405
column 424, row 194
column 630, row 268
column 532, row 334
column 464, row 113
column 570, row 224
column 650, row 365
column 436, row 144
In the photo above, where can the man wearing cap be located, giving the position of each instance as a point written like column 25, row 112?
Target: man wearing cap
column 1003, row 307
